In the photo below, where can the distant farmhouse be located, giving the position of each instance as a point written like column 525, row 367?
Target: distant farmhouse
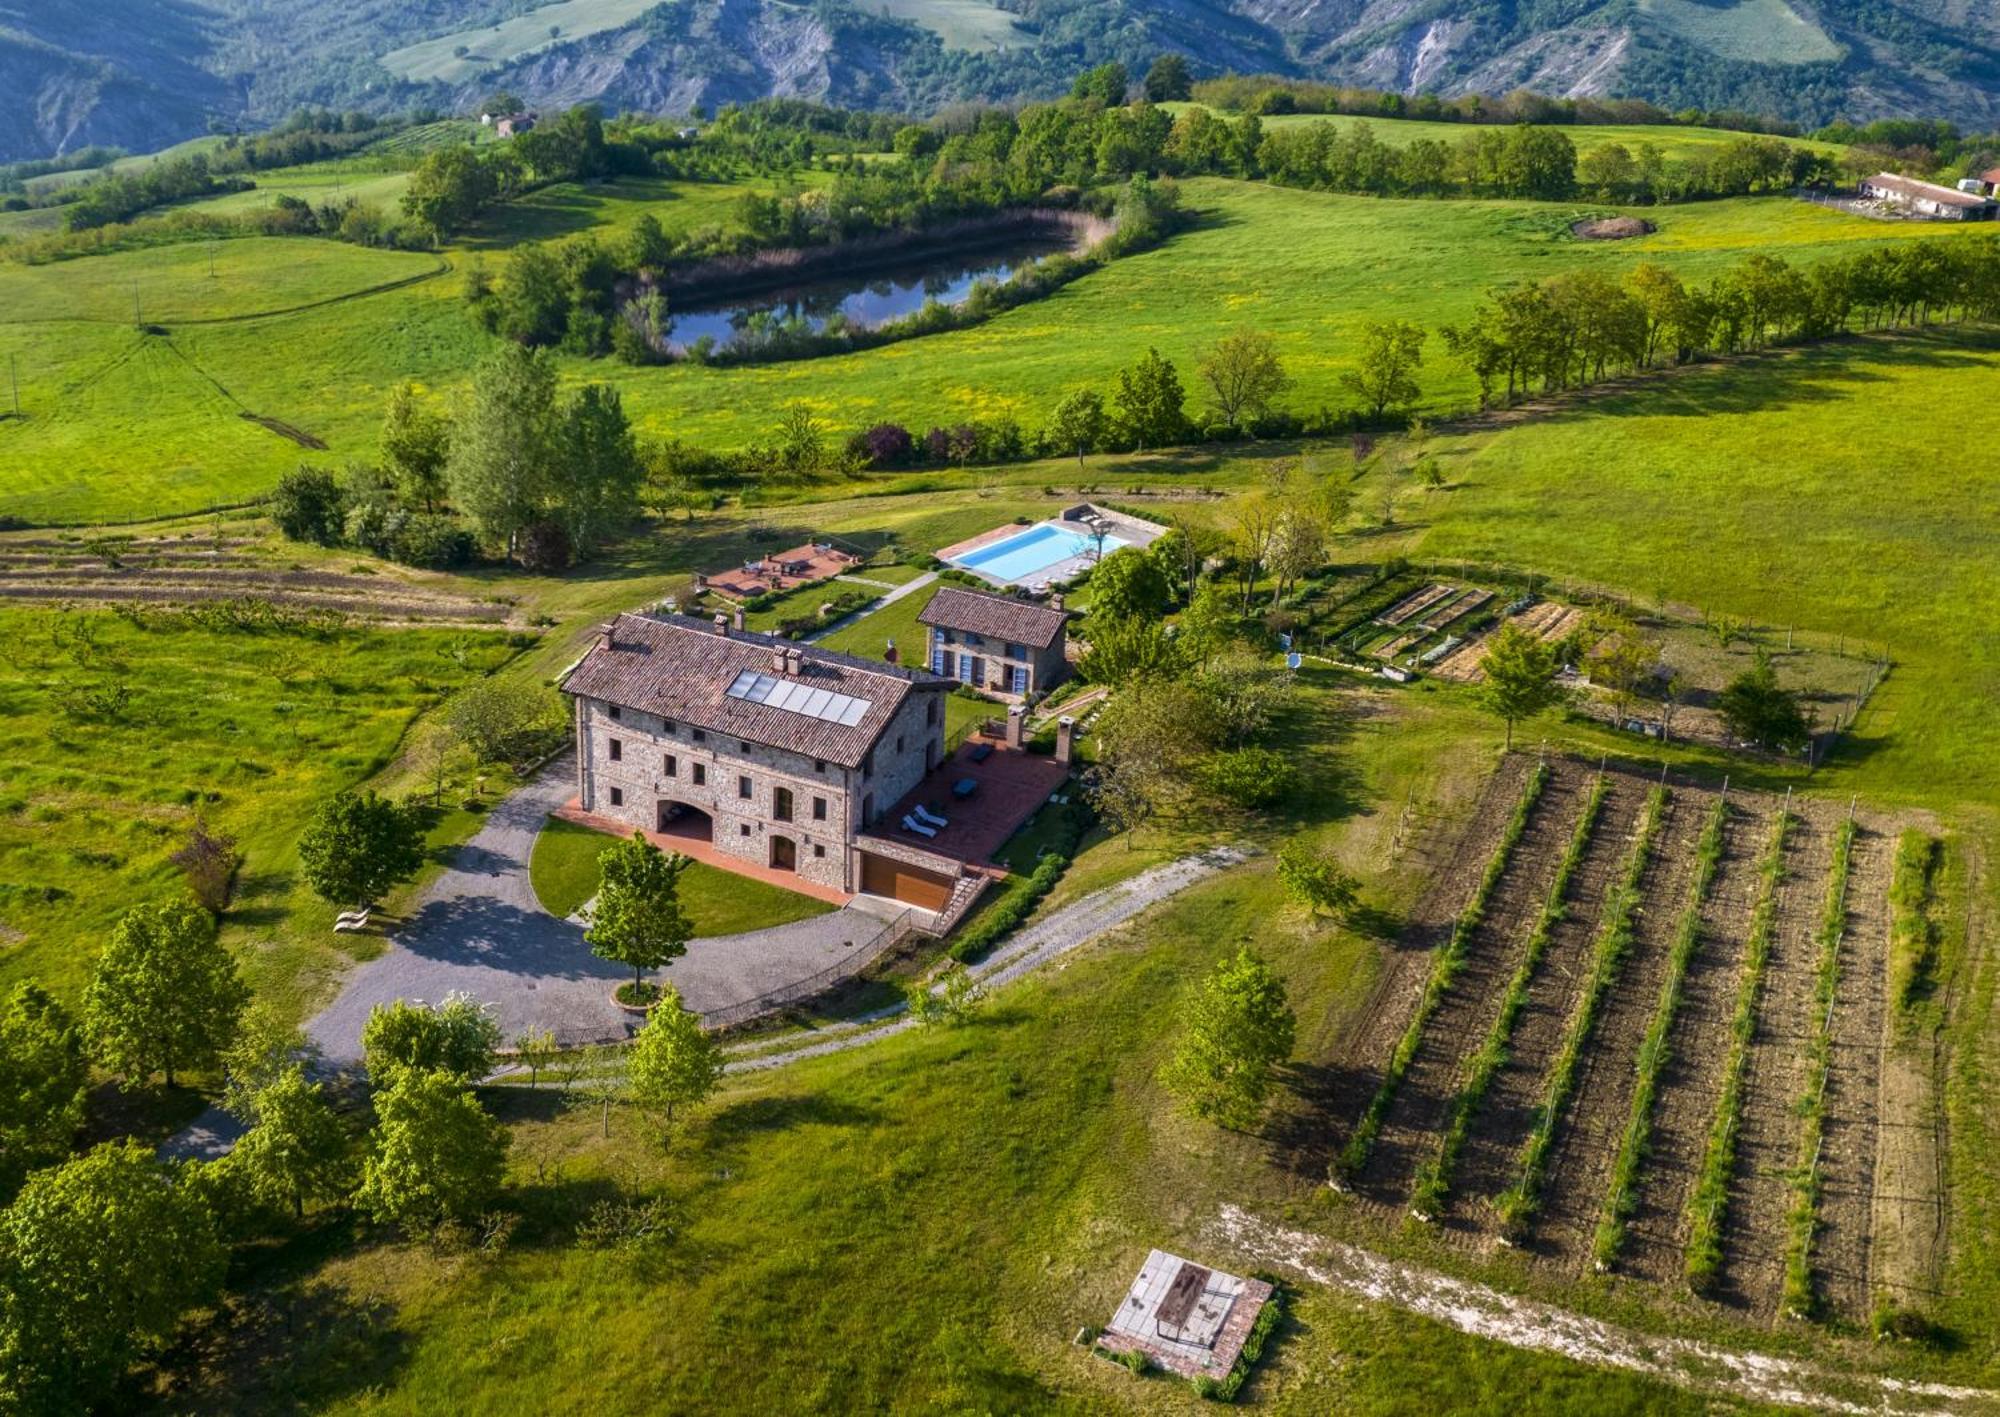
column 1928, row 199
column 997, row 643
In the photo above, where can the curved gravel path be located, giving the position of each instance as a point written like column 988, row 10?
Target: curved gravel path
column 1064, row 930
column 478, row 929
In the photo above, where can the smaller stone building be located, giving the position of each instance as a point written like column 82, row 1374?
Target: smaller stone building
column 996, row 643
column 1928, row 199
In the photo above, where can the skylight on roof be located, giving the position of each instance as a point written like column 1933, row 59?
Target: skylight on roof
column 794, row 697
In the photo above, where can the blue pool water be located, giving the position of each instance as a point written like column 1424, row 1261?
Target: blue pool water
column 1026, row 554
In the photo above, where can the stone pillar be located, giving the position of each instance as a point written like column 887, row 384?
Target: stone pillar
column 1065, row 738
column 736, row 620
column 1017, row 725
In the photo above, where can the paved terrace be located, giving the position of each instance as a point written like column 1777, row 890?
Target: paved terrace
column 1012, row 783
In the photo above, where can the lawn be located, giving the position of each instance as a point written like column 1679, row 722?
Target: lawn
column 114, row 738
column 114, row 429
column 563, row 870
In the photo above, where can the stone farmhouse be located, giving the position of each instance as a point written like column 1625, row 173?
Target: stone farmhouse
column 779, row 755
column 996, row 643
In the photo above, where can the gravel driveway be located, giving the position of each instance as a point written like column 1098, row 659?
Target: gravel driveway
column 479, row 930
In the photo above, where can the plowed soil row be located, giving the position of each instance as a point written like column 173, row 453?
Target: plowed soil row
column 1411, row 1129
column 1501, row 1124
column 1455, row 857
column 1693, row 1076
column 1767, row 1150
column 1843, row 1252
column 1588, row 1141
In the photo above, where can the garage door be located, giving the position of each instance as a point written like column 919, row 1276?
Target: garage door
column 900, row 881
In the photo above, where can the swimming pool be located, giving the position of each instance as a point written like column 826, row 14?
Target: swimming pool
column 1032, row 554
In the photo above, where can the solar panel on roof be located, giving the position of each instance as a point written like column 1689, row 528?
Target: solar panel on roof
column 803, row 699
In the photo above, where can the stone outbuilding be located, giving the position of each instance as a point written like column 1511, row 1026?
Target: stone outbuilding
column 999, row 644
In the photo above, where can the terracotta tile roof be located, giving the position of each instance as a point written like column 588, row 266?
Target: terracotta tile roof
column 1000, row 617
column 682, row 669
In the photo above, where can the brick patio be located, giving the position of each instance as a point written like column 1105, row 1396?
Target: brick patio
column 1012, row 784
column 785, row 570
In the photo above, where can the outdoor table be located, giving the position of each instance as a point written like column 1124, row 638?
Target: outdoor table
column 965, row 787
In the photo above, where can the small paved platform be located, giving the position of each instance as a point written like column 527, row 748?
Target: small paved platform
column 1012, row 783
column 1188, row 1318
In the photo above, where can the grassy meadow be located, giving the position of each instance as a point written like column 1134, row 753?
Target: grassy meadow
column 115, row 736
column 1312, row 268
column 564, row 872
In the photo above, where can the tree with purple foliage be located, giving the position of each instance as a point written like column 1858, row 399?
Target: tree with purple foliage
column 887, row 445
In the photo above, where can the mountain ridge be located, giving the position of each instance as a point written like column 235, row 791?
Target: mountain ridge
column 171, row 69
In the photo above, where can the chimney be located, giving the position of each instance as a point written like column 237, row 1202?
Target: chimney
column 1017, row 725
column 736, row 620
column 889, row 655
column 721, row 624
column 1055, row 601
column 1065, row 738
column 778, row 659
column 795, row 663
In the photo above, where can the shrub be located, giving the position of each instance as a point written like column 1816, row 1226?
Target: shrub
column 545, row 548
column 432, row 541
column 1250, row 777
column 307, row 506
column 1912, row 931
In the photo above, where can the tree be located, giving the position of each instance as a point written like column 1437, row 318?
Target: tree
column 264, row 1049
column 433, row 751
column 1520, row 676
column 298, row 1150
column 1391, row 351
column 307, row 505
column 647, row 246
column 1167, row 81
column 359, row 844
column 458, row 1037
column 638, row 918
column 1208, row 624
column 1128, row 584
column 536, row 1049
column 1121, row 651
column 1106, row 84
column 1233, row 1030
column 597, row 473
column 99, row 1259
column 436, row 1155
column 1314, row 877
column 165, row 995
column 1250, row 777
column 503, row 448
column 415, row 443
column 1077, row 422
column 447, row 190
column 1757, row 710
column 505, row 720
column 208, row 861
column 1149, row 401
column 674, row 1064
column 42, row 1081
column 950, row 1001
column 1243, row 374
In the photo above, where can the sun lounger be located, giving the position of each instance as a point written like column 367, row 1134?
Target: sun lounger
column 911, row 824
column 928, row 817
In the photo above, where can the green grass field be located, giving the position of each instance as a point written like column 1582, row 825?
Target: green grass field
column 495, row 46
column 563, row 870
column 248, row 730
column 1310, row 267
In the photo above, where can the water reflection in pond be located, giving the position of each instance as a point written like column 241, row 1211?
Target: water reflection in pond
column 859, row 301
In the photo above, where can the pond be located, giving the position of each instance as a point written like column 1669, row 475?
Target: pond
column 862, row 300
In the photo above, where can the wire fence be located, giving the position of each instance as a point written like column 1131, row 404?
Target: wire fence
column 892, row 933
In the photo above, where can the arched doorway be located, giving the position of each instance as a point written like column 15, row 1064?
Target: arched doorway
column 784, row 854
column 683, row 820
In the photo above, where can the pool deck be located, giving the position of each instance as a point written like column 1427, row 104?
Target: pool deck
column 1042, row 578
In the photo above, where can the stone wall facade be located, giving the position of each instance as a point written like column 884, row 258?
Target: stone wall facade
column 1012, row 671
column 637, row 768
